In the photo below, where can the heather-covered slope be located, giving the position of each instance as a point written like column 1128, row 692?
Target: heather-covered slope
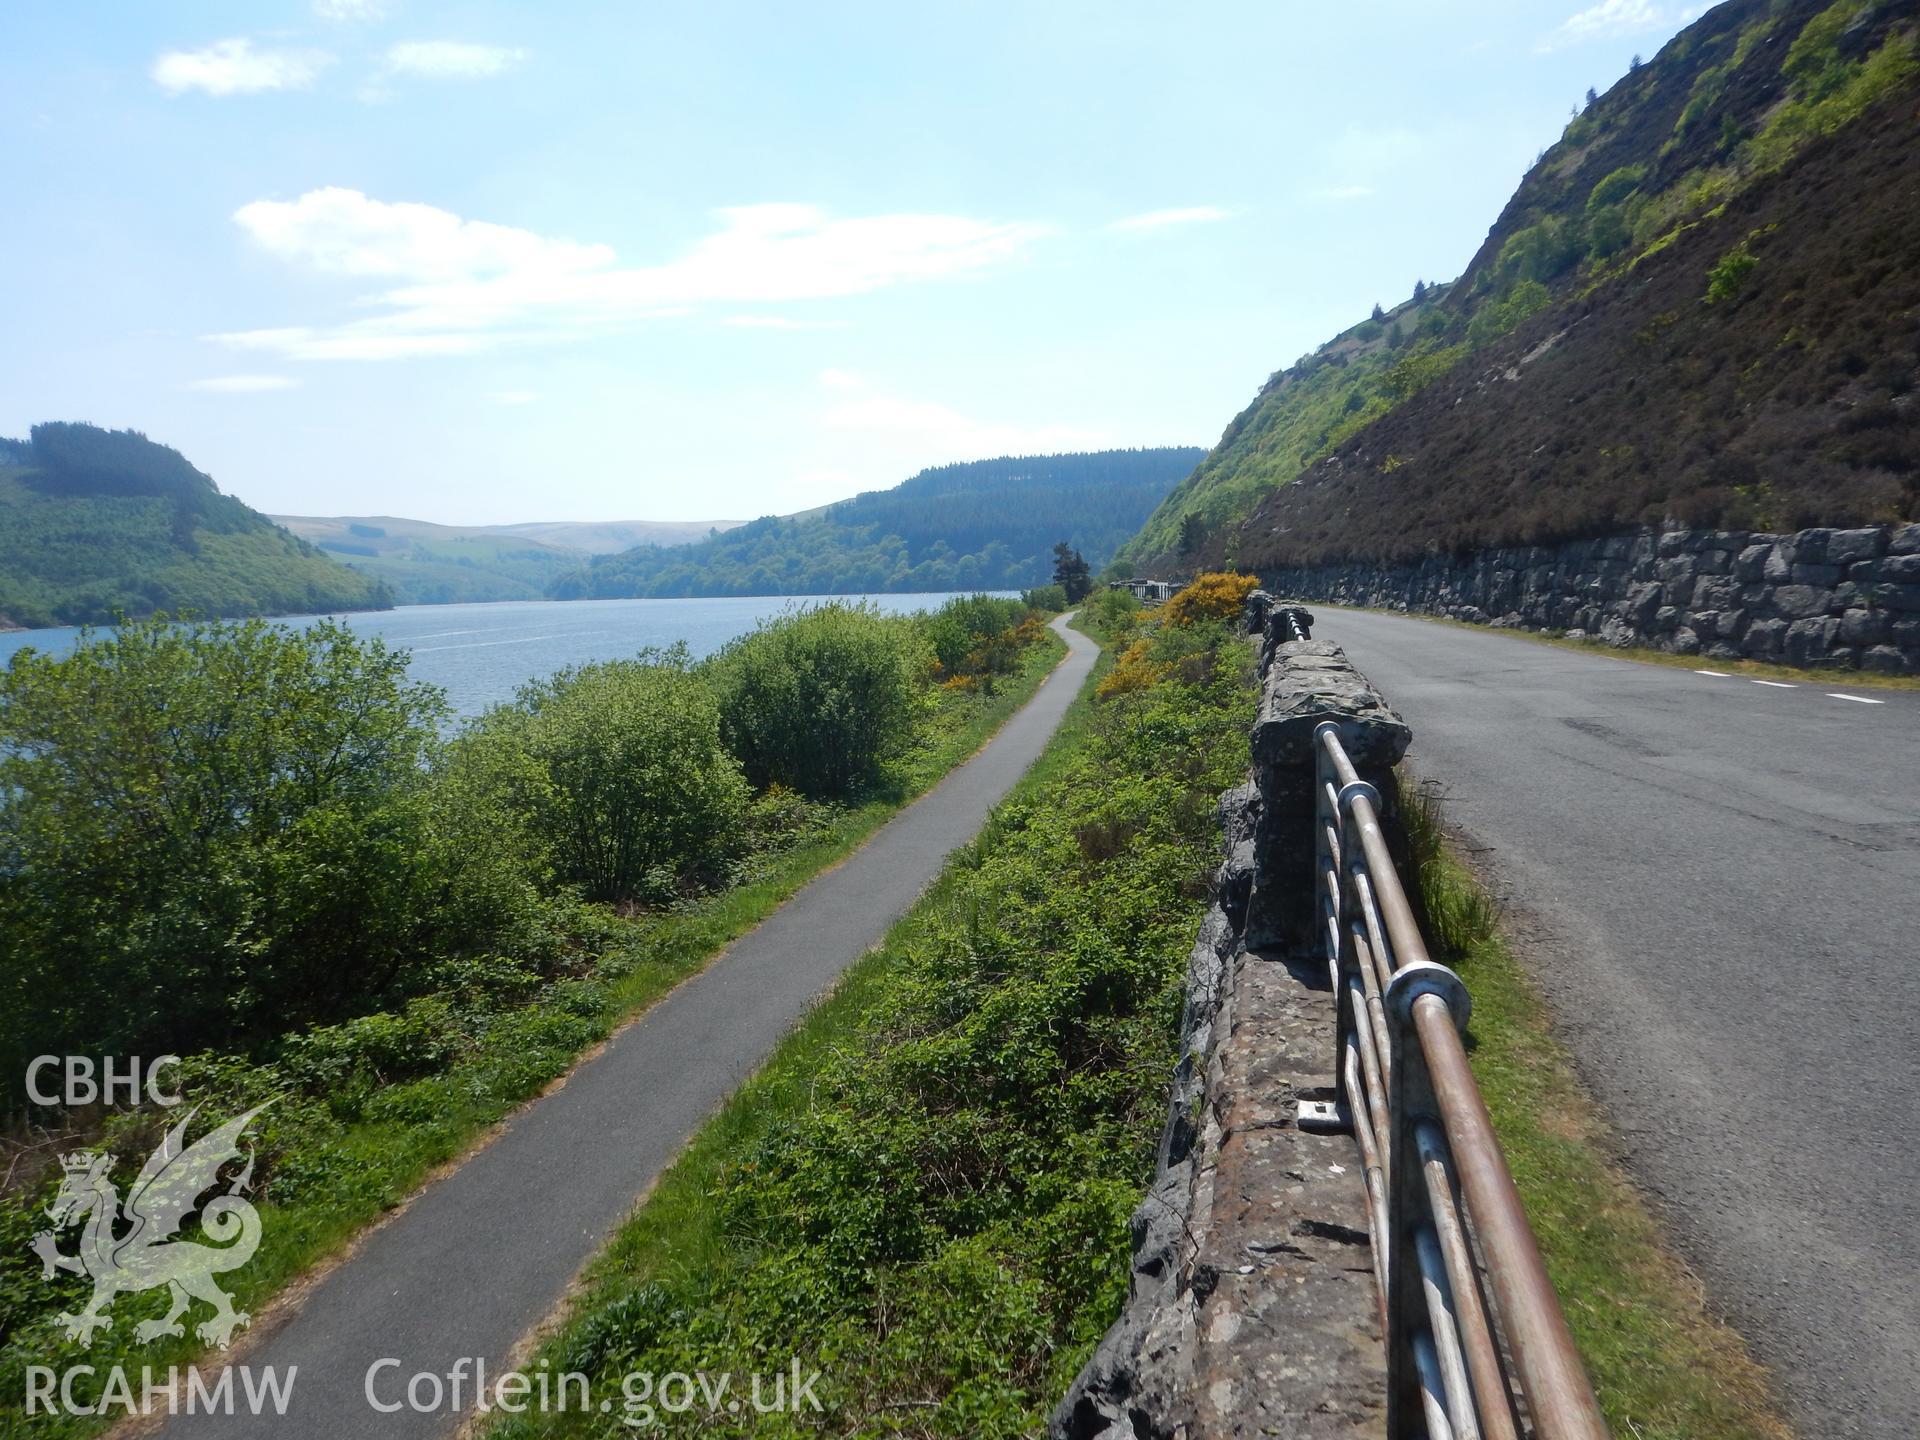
column 1699, row 307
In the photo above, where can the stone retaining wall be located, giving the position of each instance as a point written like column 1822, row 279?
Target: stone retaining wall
column 1252, row 1309
column 1846, row 598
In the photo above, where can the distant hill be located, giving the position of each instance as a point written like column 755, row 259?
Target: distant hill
column 428, row 564
column 99, row 523
column 1699, row 308
column 989, row 524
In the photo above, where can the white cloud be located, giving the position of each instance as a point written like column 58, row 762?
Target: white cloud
column 451, row 59
column 234, row 67
column 1161, row 219
column 466, row 285
column 243, row 384
column 1606, row 19
column 350, row 9
column 939, row 431
column 342, row 232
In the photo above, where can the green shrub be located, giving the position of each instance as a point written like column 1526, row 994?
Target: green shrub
column 1833, row 92
column 1615, row 187
column 1108, row 612
column 1814, row 65
column 620, row 772
column 1729, row 274
column 1540, row 252
column 821, row 697
column 1609, row 231
column 1526, row 299
column 1048, row 599
column 958, row 627
column 211, row 832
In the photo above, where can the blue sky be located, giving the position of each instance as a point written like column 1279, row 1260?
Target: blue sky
column 483, row 262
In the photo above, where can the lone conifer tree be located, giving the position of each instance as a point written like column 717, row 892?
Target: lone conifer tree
column 1071, row 573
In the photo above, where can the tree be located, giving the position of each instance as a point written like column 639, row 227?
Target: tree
column 1193, row 532
column 211, row 833
column 1635, row 63
column 1071, row 572
column 817, row 699
column 619, row 769
column 1419, row 290
column 1592, row 95
column 1378, row 313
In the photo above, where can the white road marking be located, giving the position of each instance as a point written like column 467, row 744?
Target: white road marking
column 1777, row 684
column 1717, row 674
column 1857, row 699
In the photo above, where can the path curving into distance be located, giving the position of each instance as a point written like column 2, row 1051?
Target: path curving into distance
column 484, row 1254
column 1717, row 881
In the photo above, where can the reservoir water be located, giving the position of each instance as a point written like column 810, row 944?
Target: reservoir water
column 480, row 654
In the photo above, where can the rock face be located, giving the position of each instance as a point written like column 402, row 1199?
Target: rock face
column 1252, row 1309
column 1844, row 598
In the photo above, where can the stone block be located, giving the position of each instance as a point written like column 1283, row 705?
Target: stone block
column 1778, row 568
column 1750, row 563
column 1797, row 602
column 1808, row 641
column 1765, row 637
column 1886, row 660
column 1641, row 603
column 1846, row 546
column 1904, row 540
column 1712, row 592
column 1822, row 575
column 1809, row 547
column 1904, row 598
column 1864, row 627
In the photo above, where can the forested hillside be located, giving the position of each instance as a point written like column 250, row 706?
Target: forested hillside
column 1699, row 308
column 989, row 524
column 98, row 523
column 428, row 564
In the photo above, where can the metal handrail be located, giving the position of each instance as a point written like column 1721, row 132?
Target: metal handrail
column 1434, row 1171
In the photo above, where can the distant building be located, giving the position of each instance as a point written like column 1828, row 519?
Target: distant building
column 1148, row 592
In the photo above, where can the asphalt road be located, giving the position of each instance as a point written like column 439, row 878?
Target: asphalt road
column 1718, row 883
column 481, row 1257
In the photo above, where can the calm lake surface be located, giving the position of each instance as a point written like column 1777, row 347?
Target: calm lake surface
column 480, row 654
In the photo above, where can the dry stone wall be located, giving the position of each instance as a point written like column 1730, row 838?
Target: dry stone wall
column 1252, row 1309
column 1846, row 598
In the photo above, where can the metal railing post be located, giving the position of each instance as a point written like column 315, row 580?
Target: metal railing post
column 1419, row 1301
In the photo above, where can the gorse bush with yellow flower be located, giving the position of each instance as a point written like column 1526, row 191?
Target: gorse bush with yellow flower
column 1217, row 595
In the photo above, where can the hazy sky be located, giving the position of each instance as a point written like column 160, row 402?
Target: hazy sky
column 488, row 262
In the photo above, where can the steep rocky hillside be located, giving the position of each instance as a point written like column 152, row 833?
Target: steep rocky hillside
column 1698, row 308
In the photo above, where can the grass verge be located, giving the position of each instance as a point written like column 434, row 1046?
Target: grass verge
column 333, row 1175
column 1664, row 1366
column 1645, row 655
column 923, row 1195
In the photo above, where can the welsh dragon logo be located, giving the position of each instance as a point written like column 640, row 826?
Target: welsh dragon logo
column 145, row 1256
